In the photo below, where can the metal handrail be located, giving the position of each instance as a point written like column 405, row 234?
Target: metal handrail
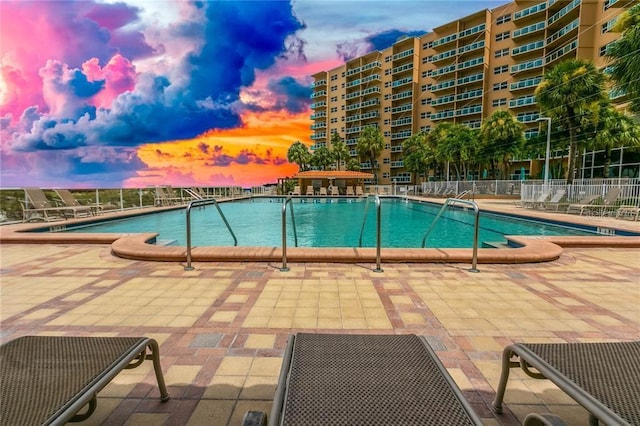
column 224, row 219
column 452, row 201
column 378, row 227
column 284, row 232
column 364, row 221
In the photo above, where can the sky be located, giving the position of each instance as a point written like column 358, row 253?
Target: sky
column 110, row 94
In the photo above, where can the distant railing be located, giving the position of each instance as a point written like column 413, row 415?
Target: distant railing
column 629, row 194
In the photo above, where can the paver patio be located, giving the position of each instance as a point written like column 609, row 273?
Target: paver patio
column 222, row 327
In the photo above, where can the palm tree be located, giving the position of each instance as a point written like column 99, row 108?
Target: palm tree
column 570, row 93
column 369, row 147
column 299, row 153
column 614, row 129
column 338, row 149
column 503, row 137
column 418, row 155
column 457, row 144
column 624, row 56
column 353, row 164
column 322, row 158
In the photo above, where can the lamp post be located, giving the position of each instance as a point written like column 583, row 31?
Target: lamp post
column 546, row 157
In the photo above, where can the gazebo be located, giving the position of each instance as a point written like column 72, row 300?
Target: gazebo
column 328, row 178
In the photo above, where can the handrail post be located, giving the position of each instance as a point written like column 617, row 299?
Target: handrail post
column 451, row 201
column 188, row 225
column 284, row 232
column 189, row 267
column 378, row 238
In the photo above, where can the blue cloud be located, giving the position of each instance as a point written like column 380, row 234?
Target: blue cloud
column 292, row 95
column 385, row 39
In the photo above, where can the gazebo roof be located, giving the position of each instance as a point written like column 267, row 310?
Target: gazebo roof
column 333, row 174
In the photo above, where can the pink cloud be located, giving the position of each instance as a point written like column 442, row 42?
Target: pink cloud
column 119, row 75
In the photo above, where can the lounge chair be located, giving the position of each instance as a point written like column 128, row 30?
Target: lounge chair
column 555, row 202
column 608, row 204
column 323, row 191
column 350, row 192
column 367, row 380
column 582, row 204
column 296, row 190
column 359, row 191
column 537, row 201
column 49, row 379
column 165, row 196
column 69, row 200
column 310, row 190
column 37, row 206
column 631, row 212
column 335, row 191
column 602, row 377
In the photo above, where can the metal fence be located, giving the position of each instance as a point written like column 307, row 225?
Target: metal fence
column 581, row 189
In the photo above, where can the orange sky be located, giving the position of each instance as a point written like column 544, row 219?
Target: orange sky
column 253, row 154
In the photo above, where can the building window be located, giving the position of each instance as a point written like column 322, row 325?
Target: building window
column 499, row 102
column 500, row 86
column 503, row 36
column 605, row 48
column 425, row 74
column 334, row 120
column 334, row 77
column 426, row 101
column 502, row 19
column 334, row 99
column 387, row 59
column 502, row 52
column 334, row 88
column 334, row 109
column 423, row 88
column 501, row 69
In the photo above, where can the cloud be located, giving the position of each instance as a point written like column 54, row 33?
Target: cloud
column 348, row 50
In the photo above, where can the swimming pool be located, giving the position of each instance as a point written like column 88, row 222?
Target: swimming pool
column 326, row 222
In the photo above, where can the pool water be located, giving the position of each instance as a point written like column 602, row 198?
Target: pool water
column 330, row 223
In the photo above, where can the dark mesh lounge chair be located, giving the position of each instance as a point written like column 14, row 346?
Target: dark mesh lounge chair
column 330, row 379
column 602, row 377
column 47, row 380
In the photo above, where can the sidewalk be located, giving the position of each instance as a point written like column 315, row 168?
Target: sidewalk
column 222, row 327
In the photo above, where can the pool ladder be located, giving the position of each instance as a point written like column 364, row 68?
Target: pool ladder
column 198, row 203
column 284, row 267
column 451, row 202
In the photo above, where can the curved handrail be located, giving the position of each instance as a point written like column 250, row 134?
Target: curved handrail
column 188, row 212
column 452, row 201
column 378, row 227
column 364, row 221
column 284, row 232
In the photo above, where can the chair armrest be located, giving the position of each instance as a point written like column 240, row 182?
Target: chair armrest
column 254, row 418
column 546, row 419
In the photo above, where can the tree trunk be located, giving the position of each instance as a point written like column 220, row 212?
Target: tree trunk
column 572, row 153
column 607, row 162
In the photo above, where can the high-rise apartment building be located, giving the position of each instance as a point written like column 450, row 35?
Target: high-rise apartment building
column 462, row 72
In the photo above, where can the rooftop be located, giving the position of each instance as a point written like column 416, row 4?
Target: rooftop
column 222, row 327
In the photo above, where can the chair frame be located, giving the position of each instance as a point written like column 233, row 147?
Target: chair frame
column 433, row 384
column 42, row 363
column 560, row 362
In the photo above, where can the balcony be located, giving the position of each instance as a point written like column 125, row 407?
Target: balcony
column 563, row 32
column 397, row 164
column 364, row 92
column 530, row 11
column 402, row 68
column 318, row 83
column 402, row 108
column 442, row 115
column 444, row 40
column 470, row 47
column 529, row 30
column 402, row 178
column 444, row 55
column 525, row 66
column 442, row 71
column 372, row 65
column 401, row 135
column 402, row 82
column 401, row 55
column 396, row 148
column 402, row 122
column 522, row 101
column 321, row 104
column 320, row 125
column 402, row 95
column 363, row 80
column 528, row 117
column 444, row 85
column 473, row 109
column 471, row 94
column 321, row 93
column 564, row 11
column 524, row 84
column 470, row 79
column 527, row 48
column 321, row 135
column 317, row 115
column 559, row 53
column 471, row 31
column 365, row 104
column 443, row 100
column 471, row 63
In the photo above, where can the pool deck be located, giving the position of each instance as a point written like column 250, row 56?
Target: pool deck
column 523, row 249
column 222, row 327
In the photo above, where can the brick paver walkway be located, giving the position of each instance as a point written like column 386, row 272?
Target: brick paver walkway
column 223, row 326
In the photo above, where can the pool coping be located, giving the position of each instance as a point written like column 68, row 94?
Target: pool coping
column 525, row 249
